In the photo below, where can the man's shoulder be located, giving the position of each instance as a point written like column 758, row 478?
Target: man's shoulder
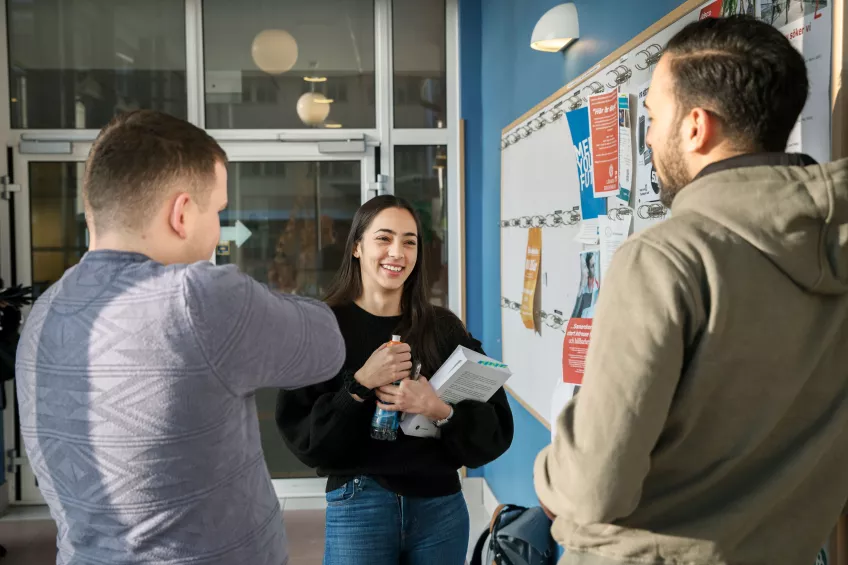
column 208, row 279
column 686, row 238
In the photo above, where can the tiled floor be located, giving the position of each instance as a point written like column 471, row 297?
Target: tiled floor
column 29, row 534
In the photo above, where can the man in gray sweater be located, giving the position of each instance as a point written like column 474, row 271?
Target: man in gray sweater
column 137, row 370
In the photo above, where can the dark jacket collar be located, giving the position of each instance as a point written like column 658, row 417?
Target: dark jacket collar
column 758, row 160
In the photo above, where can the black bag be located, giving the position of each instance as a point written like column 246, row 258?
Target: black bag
column 516, row 536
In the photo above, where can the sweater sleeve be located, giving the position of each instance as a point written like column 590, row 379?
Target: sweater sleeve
column 479, row 432
column 255, row 338
column 321, row 423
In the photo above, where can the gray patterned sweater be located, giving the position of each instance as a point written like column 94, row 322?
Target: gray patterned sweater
column 136, row 390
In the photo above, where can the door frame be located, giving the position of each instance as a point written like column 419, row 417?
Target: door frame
column 21, row 479
column 51, row 150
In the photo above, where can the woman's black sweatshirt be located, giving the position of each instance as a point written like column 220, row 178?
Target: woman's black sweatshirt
column 327, row 429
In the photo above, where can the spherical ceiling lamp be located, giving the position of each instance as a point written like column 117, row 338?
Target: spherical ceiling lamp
column 311, row 111
column 556, row 29
column 274, row 51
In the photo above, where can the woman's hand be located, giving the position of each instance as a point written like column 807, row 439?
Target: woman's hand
column 413, row 397
column 386, row 365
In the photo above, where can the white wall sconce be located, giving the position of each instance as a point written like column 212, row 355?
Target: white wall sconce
column 556, row 29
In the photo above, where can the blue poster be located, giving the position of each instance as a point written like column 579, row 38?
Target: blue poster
column 578, row 123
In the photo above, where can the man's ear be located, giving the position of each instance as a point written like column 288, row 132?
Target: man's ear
column 177, row 214
column 700, row 129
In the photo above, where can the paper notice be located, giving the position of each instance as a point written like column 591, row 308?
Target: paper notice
column 808, row 26
column 612, row 234
column 531, row 278
column 574, row 349
column 578, row 124
column 625, row 150
column 647, row 185
column 711, row 11
column 590, row 286
column 588, row 234
column 562, row 394
column 603, row 131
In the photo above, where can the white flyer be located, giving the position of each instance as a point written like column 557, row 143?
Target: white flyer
column 647, row 186
column 613, row 233
column 807, row 25
column 588, row 234
column 625, row 152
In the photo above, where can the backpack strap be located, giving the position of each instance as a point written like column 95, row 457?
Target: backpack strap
column 477, row 555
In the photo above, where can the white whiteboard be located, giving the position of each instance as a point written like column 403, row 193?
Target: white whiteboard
column 539, row 177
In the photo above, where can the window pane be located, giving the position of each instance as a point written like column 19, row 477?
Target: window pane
column 258, row 53
column 78, row 63
column 420, row 99
column 57, row 221
column 420, row 178
column 298, row 215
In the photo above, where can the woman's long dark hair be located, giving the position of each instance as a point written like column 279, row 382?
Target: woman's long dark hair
column 418, row 318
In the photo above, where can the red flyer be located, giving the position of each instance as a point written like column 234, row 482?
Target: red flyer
column 711, row 11
column 574, row 349
column 603, row 132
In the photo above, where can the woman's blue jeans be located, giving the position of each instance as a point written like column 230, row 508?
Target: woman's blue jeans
column 369, row 525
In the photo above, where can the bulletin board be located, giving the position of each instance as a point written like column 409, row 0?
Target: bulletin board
column 541, row 208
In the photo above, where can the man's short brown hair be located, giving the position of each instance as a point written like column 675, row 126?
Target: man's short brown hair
column 136, row 162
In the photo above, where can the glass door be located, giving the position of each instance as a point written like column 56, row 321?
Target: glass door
column 288, row 217
column 49, row 237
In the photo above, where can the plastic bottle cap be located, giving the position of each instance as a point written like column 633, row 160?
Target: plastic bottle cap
column 396, row 338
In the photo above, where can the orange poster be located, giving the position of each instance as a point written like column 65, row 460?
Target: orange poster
column 531, row 278
column 603, row 133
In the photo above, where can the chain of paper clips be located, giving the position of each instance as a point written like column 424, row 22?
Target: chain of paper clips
column 653, row 211
column 645, row 211
column 553, row 321
column 615, row 77
column 545, row 117
column 555, row 220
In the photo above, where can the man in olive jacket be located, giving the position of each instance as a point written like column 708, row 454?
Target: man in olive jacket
column 712, row 427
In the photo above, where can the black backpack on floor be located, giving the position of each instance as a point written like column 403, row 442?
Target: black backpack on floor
column 516, row 536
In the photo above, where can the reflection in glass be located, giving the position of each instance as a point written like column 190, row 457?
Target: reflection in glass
column 78, row 63
column 420, row 76
column 57, row 221
column 421, row 178
column 289, row 64
column 298, row 215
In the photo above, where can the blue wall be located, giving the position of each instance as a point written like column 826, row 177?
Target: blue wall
column 501, row 78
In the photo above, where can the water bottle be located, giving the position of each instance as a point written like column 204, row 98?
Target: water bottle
column 384, row 424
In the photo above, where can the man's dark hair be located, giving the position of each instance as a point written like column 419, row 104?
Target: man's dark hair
column 746, row 73
column 138, row 159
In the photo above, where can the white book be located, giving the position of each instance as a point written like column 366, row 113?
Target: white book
column 466, row 375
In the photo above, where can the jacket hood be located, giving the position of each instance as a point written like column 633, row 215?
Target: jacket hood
column 791, row 209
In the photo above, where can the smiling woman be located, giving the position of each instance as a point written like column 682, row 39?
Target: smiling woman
column 381, row 290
